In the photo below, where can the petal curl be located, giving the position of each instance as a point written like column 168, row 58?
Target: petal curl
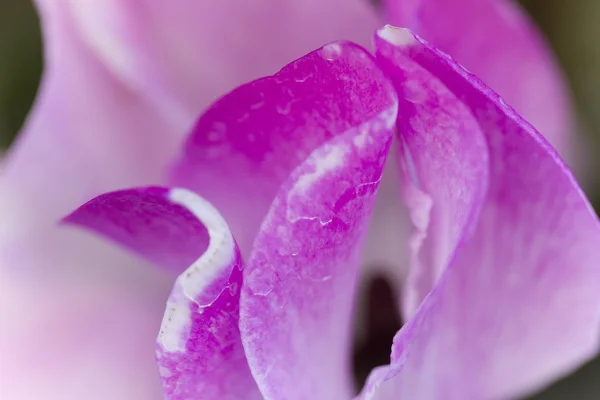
column 185, row 53
column 298, row 157
column 517, row 305
column 147, row 222
column 199, row 350
column 497, row 42
column 296, row 305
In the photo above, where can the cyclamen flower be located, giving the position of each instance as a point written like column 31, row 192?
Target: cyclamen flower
column 264, row 215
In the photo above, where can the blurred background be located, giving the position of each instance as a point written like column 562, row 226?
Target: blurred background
column 572, row 28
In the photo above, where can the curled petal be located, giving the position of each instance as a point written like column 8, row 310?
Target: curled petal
column 298, row 156
column 147, row 222
column 517, row 304
column 253, row 138
column 297, row 301
column 444, row 164
column 497, row 42
column 199, row 351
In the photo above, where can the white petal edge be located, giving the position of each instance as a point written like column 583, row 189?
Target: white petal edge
column 190, row 284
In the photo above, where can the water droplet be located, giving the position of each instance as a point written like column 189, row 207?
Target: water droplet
column 331, row 51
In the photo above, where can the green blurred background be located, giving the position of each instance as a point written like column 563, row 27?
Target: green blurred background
column 572, row 27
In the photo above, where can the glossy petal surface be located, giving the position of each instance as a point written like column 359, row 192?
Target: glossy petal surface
column 299, row 156
column 517, row 305
column 253, row 138
column 199, row 350
column 297, row 302
column 497, row 42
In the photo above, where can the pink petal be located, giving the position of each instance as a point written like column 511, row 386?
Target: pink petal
column 293, row 161
column 517, row 305
column 79, row 320
column 199, row 351
column 87, row 134
column 497, row 42
column 184, row 54
column 67, row 297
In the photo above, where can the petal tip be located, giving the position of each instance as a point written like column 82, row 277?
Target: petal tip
column 400, row 37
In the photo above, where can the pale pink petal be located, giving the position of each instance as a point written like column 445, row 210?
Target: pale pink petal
column 517, row 305
column 66, row 297
column 497, row 42
column 199, row 350
column 184, row 54
column 87, row 134
column 79, row 320
column 293, row 162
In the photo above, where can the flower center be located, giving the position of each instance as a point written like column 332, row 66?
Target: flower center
column 383, row 321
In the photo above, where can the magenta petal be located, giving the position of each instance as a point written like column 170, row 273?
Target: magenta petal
column 293, row 161
column 497, row 42
column 147, row 222
column 297, row 300
column 199, row 351
column 253, row 138
column 517, row 305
